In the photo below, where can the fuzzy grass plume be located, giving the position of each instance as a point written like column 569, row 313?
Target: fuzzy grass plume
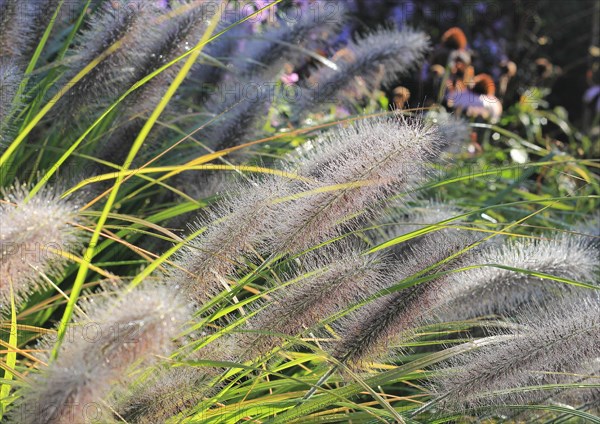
column 172, row 37
column 348, row 171
column 33, row 235
column 124, row 22
column 169, row 391
column 233, row 228
column 502, row 291
column 267, row 52
column 388, row 51
column 329, row 280
column 111, row 334
column 12, row 29
column 551, row 339
column 368, row 333
column 10, row 78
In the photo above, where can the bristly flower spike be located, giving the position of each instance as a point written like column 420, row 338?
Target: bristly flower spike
column 267, row 52
column 368, row 333
column 502, row 291
column 121, row 21
column 552, row 339
column 347, row 172
column 114, row 333
column 392, row 52
column 329, row 280
column 33, row 237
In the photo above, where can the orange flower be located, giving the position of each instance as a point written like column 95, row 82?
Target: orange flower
column 484, row 84
column 455, row 39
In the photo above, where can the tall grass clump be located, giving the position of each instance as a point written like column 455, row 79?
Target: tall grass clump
column 182, row 240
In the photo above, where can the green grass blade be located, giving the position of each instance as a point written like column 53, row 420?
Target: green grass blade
column 11, row 355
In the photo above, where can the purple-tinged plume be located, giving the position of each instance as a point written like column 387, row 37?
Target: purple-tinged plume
column 328, row 281
column 368, row 333
column 266, row 52
column 348, row 171
column 123, row 21
column 234, row 227
column 10, row 78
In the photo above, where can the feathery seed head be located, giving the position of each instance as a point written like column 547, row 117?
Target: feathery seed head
column 234, row 226
column 348, row 171
column 123, row 21
column 502, row 291
column 552, row 339
column 237, row 107
column 174, row 37
column 405, row 220
column 10, row 78
column 164, row 394
column 454, row 131
column 368, row 333
column 32, row 236
column 396, row 52
column 35, row 17
column 328, row 281
column 11, row 41
column 112, row 334
column 266, row 52
column 22, row 24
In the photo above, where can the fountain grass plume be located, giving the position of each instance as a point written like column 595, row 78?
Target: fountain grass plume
column 265, row 53
column 168, row 391
column 368, row 333
column 455, row 130
column 246, row 95
column 234, row 227
column 176, row 35
column 237, row 106
column 113, row 333
column 397, row 52
column 12, row 42
column 588, row 397
column 32, row 236
column 10, row 78
column 402, row 220
column 125, row 21
column 348, row 172
column 174, row 386
column 364, row 163
column 173, row 37
column 36, row 17
column 212, row 66
column 329, row 280
column 551, row 339
column 22, row 24
column 502, row 291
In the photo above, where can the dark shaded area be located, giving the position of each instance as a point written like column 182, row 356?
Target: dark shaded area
column 518, row 30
